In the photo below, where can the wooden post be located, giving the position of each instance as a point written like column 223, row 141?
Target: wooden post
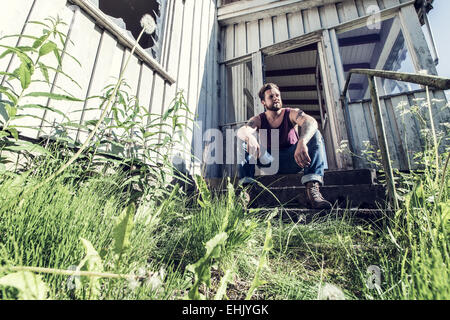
column 382, row 141
column 258, row 80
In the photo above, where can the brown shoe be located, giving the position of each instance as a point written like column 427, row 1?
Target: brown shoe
column 314, row 196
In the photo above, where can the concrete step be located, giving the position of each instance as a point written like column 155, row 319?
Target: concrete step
column 371, row 196
column 341, row 177
column 304, row 216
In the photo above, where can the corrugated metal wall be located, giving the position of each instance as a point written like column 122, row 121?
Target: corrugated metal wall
column 188, row 56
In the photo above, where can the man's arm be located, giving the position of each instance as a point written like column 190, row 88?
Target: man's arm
column 247, row 133
column 249, row 129
column 309, row 128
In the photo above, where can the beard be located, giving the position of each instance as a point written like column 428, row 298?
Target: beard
column 275, row 106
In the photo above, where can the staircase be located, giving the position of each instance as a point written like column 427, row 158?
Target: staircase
column 355, row 193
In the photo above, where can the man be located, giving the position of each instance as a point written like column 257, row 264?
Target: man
column 296, row 152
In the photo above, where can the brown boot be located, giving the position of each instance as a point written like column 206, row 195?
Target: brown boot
column 314, row 196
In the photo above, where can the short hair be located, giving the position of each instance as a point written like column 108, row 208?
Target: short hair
column 267, row 86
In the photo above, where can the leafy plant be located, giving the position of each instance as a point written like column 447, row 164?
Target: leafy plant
column 18, row 84
column 202, row 268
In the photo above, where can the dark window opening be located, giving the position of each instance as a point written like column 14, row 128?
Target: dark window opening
column 127, row 14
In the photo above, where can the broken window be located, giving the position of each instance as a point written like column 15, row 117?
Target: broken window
column 380, row 46
column 127, row 15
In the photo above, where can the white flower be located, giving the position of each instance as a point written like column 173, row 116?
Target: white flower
column 148, row 24
column 330, row 292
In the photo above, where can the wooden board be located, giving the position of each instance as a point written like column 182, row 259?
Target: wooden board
column 253, row 36
column 266, row 32
column 229, row 42
column 406, row 127
column 329, row 15
column 44, row 9
column 390, row 3
column 12, row 22
column 106, row 72
column 390, row 133
column 295, row 22
column 280, row 26
column 240, row 40
column 314, row 22
column 349, row 11
column 400, row 150
column 359, row 131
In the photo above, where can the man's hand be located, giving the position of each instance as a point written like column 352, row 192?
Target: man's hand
column 301, row 155
column 253, row 146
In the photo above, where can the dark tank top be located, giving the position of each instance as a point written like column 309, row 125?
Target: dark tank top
column 288, row 134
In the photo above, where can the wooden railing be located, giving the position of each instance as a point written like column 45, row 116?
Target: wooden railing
column 425, row 80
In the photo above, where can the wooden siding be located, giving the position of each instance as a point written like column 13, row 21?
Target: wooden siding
column 403, row 128
column 189, row 61
column 275, row 28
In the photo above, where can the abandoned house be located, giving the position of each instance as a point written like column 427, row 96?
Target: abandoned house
column 220, row 52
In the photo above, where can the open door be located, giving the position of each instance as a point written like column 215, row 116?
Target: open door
column 298, row 74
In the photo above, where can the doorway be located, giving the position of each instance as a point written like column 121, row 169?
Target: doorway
column 297, row 72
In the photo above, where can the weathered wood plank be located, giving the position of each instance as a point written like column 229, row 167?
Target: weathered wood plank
column 145, row 89
column 240, row 40
column 46, row 9
column 229, row 42
column 359, row 134
column 213, row 99
column 349, row 10
column 266, row 32
column 155, row 112
column 295, row 22
column 335, row 141
column 280, row 28
column 253, row 36
column 81, row 75
column 12, row 22
column 390, row 133
column 390, row 3
column 257, row 81
column 329, row 15
column 370, row 6
column 401, row 152
column 106, row 71
column 313, row 19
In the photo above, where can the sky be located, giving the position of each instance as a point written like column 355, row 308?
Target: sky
column 440, row 25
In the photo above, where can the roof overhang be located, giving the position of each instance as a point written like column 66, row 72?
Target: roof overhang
column 259, row 9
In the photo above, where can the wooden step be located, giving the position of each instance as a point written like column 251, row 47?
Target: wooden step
column 341, row 177
column 309, row 215
column 343, row 196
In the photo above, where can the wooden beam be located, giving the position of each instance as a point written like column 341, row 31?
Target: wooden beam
column 298, row 88
column 236, row 12
column 291, row 72
column 354, row 41
column 310, row 47
column 363, row 65
column 301, row 102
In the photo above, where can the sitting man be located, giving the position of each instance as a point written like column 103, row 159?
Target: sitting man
column 296, row 153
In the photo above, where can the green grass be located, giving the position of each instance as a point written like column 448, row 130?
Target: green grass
column 43, row 228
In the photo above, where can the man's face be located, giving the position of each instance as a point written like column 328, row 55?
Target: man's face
column 272, row 100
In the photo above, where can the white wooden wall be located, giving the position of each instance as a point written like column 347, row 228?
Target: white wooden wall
column 189, row 57
column 403, row 127
column 255, row 31
column 249, row 36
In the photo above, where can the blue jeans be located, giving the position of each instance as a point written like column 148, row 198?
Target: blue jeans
column 287, row 163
